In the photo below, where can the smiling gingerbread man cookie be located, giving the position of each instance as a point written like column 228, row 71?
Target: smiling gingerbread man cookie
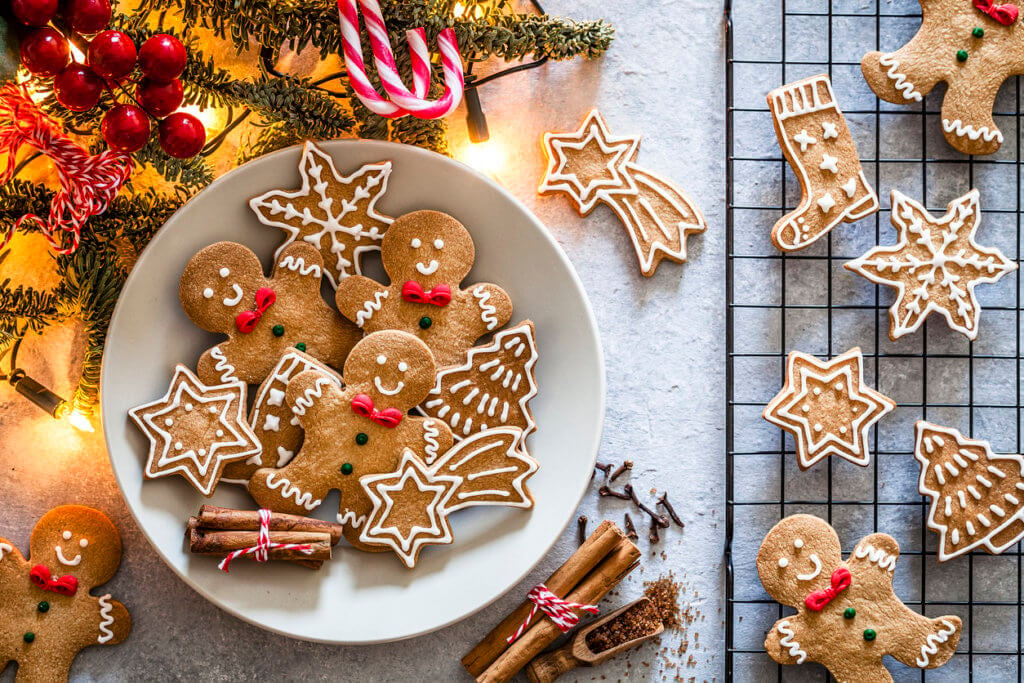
column 47, row 614
column 223, row 290
column 357, row 430
column 427, row 254
column 848, row 617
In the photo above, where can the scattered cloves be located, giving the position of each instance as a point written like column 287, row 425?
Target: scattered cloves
column 660, row 520
column 604, row 467
column 663, row 502
column 581, row 528
column 652, row 535
column 630, row 528
column 626, row 465
column 605, row 491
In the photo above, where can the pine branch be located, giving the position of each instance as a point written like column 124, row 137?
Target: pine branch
column 269, row 139
column 25, row 309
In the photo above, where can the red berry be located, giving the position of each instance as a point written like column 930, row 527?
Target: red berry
column 44, row 52
column 78, row 87
column 182, row 135
column 87, row 16
column 159, row 99
column 162, row 57
column 112, row 54
column 125, row 128
column 34, row 12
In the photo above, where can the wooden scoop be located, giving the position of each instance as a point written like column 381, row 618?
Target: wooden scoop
column 577, row 652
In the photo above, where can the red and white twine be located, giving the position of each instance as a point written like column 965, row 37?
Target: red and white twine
column 88, row 183
column 401, row 100
column 261, row 551
column 557, row 609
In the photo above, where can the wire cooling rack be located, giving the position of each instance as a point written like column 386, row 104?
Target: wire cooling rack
column 807, row 301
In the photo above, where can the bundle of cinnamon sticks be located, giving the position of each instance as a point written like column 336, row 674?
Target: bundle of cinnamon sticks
column 603, row 560
column 219, row 531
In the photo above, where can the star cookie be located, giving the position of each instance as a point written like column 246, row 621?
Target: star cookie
column 337, row 214
column 827, row 407
column 195, row 430
column 935, row 266
column 590, row 165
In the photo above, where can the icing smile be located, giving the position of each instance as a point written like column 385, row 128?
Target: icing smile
column 387, row 392
column 234, row 300
column 77, row 560
column 814, row 574
column 428, row 270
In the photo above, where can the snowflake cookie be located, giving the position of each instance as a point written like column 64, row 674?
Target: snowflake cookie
column 935, row 265
column 827, row 407
column 847, row 615
column 336, row 214
column 47, row 614
column 977, row 496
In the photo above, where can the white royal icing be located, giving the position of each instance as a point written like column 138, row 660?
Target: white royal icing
column 876, row 555
column 309, row 396
column 487, row 311
column 961, row 129
column 932, row 642
column 288, row 490
column 813, row 574
column 388, row 392
column 106, row 620
column 370, row 307
column 459, row 462
column 900, row 81
column 5, row 548
column 789, row 642
column 233, row 301
column 350, row 518
column 73, row 562
column 224, row 369
column 272, row 423
column 299, row 264
column 430, row 434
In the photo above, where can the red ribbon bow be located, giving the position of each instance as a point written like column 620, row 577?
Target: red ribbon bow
column 65, row 585
column 440, row 295
column 1004, row 14
column 363, row 405
column 246, row 320
column 841, row 580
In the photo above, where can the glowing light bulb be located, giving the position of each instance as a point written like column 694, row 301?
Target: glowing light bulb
column 79, row 421
column 486, row 157
column 212, row 118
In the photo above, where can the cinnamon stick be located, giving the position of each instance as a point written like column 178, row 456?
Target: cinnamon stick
column 564, row 579
column 204, row 542
column 619, row 562
column 213, row 517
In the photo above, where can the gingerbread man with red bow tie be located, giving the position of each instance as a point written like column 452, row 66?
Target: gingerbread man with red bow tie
column 362, row 428
column 427, row 254
column 848, row 617
column 47, row 614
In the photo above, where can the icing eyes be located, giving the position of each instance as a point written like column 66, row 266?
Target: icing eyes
column 416, row 243
column 66, row 535
column 783, row 563
column 382, row 359
column 798, row 543
column 208, row 293
column 224, row 272
column 403, row 366
column 84, row 543
column 439, row 243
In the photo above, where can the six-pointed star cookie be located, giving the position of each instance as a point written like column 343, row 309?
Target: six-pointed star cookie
column 409, row 508
column 827, row 407
column 935, row 266
column 195, row 430
column 337, row 214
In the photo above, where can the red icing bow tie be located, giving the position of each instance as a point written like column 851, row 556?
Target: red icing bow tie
column 440, row 295
column 1004, row 14
column 841, row 580
column 65, row 585
column 363, row 405
column 246, row 320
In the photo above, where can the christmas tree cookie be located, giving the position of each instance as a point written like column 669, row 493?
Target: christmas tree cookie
column 847, row 615
column 817, row 144
column 977, row 496
column 935, row 266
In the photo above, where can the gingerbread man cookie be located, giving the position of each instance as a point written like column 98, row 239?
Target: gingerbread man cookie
column 848, row 616
column 223, row 290
column 47, row 614
column 357, row 430
column 427, row 254
column 972, row 46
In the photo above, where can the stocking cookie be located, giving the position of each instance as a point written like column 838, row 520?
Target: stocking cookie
column 977, row 496
column 590, row 166
column 223, row 290
column 848, row 617
column 972, row 46
column 276, row 428
column 411, row 505
column 493, row 387
column 427, row 254
column 827, row 407
column 356, row 430
column 935, row 266
column 337, row 214
column 47, row 614
column 195, row 430
column 817, row 144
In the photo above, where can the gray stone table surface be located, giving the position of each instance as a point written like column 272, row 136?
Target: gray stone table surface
column 663, row 340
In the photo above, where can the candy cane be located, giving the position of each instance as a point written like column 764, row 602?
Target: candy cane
column 402, row 102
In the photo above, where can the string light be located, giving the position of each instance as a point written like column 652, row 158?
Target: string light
column 54, row 405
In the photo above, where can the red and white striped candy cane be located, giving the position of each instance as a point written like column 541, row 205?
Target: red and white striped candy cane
column 261, row 551
column 402, row 101
column 560, row 611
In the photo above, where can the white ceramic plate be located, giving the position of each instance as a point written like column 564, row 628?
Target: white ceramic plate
column 359, row 597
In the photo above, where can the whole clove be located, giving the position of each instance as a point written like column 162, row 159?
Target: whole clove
column 660, row 520
column 652, row 534
column 606, row 491
column 626, row 465
column 663, row 502
column 581, row 529
column 604, row 467
column 630, row 528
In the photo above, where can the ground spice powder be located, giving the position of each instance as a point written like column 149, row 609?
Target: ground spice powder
column 638, row 621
